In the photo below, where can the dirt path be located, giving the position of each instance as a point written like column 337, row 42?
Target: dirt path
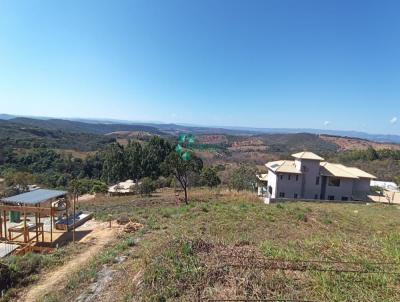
column 58, row 278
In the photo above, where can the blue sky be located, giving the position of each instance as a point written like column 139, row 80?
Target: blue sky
column 283, row 63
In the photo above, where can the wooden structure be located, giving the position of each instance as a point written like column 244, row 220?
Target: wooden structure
column 39, row 203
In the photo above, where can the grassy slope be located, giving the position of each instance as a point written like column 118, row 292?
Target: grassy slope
column 180, row 253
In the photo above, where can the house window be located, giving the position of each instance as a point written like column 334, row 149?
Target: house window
column 297, row 177
column 334, row 182
column 345, row 198
column 331, row 197
column 295, row 196
column 281, row 194
column 281, row 176
column 289, row 176
column 317, row 181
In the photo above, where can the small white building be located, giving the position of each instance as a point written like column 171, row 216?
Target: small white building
column 308, row 176
column 386, row 185
column 125, row 187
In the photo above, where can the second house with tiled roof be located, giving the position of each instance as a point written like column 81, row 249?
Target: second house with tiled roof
column 308, row 176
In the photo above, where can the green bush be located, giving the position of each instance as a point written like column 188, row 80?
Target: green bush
column 209, row 177
column 147, row 186
column 18, row 270
column 243, row 178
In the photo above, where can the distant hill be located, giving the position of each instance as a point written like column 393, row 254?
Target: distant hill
column 6, row 116
column 17, row 135
column 351, row 143
column 82, row 127
column 109, row 126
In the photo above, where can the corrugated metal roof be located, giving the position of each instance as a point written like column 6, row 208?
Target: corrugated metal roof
column 307, row 155
column 34, row 197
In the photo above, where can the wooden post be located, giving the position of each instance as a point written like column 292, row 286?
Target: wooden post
column 51, row 223
column 39, row 218
column 5, row 224
column 36, row 223
column 25, row 238
column 66, row 210
column 73, row 226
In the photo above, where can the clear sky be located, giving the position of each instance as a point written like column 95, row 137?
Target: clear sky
column 268, row 63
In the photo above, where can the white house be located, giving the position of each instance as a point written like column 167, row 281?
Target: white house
column 308, row 176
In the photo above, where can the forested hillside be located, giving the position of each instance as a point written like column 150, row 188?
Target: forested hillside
column 16, row 135
column 74, row 126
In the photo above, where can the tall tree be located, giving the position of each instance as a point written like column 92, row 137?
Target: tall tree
column 180, row 167
column 114, row 168
column 154, row 154
column 93, row 166
column 133, row 159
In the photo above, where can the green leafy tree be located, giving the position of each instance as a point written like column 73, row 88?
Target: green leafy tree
column 133, row 159
column 7, row 155
column 180, row 167
column 99, row 187
column 92, row 166
column 209, row 177
column 114, row 166
column 147, row 186
column 371, row 154
column 154, row 154
column 19, row 180
column 243, row 178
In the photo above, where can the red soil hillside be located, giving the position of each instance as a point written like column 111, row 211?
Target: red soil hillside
column 349, row 143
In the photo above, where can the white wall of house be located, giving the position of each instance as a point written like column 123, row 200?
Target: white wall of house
column 272, row 182
column 311, row 185
column 361, row 188
column 344, row 190
column 289, row 185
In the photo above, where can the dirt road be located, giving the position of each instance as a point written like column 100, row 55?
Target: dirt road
column 57, row 278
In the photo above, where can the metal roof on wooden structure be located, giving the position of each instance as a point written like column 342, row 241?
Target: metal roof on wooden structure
column 34, row 197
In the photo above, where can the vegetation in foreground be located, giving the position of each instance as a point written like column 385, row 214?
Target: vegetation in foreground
column 192, row 251
column 17, row 272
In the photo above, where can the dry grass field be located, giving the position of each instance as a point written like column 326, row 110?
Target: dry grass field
column 225, row 245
